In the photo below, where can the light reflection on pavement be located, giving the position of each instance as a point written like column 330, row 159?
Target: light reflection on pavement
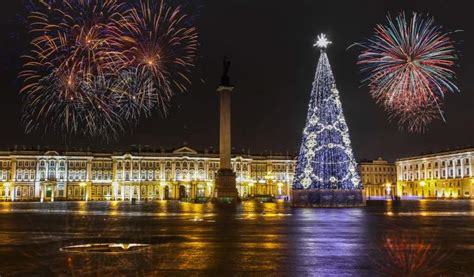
column 252, row 238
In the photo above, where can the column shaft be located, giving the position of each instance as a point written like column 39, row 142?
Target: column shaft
column 225, row 129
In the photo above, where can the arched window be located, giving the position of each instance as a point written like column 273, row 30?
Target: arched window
column 150, row 175
column 178, row 174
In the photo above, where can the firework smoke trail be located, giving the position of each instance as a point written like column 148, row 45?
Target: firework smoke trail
column 97, row 66
column 410, row 66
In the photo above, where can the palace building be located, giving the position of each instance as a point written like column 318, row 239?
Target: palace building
column 440, row 175
column 378, row 178
column 182, row 174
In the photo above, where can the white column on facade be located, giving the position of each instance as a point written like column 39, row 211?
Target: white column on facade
column 418, row 172
column 37, row 180
column 131, row 170
column 173, row 170
column 470, row 167
column 454, row 169
column 13, row 170
column 115, row 190
column 398, row 171
column 13, row 192
column 66, row 177
column 139, row 193
column 53, row 191
column 41, row 193
column 46, row 171
column 446, row 164
column 57, row 169
column 140, row 171
column 425, row 171
column 160, row 168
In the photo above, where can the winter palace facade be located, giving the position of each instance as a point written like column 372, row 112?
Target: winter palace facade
column 183, row 174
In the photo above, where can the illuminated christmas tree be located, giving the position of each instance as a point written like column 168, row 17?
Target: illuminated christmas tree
column 325, row 160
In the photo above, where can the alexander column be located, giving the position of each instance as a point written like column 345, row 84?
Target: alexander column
column 226, row 189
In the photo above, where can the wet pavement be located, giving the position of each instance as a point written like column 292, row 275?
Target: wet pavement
column 414, row 237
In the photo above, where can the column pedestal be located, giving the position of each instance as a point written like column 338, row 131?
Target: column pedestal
column 226, row 187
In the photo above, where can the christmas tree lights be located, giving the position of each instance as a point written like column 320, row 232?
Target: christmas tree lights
column 326, row 160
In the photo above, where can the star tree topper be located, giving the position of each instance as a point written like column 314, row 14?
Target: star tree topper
column 322, row 42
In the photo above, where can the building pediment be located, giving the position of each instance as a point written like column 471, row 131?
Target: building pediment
column 185, row 151
column 51, row 153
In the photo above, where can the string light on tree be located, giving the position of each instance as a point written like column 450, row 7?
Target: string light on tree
column 326, row 160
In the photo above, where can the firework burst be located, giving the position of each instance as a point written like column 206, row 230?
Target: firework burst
column 136, row 95
column 96, row 66
column 160, row 44
column 415, row 119
column 410, row 67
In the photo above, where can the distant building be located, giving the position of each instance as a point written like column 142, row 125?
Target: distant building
column 440, row 175
column 181, row 174
column 378, row 178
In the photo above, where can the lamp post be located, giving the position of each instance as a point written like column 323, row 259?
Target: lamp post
column 422, row 184
column 7, row 190
column 388, row 190
column 115, row 190
column 280, row 185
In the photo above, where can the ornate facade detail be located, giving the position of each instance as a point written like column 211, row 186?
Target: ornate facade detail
column 183, row 174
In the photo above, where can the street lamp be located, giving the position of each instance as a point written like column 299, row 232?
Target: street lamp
column 280, row 185
column 388, row 189
column 251, row 184
column 115, row 186
column 422, row 184
column 7, row 190
column 210, row 186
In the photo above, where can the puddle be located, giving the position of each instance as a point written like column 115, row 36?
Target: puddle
column 105, row 248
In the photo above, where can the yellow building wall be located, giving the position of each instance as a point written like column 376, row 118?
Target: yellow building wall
column 437, row 188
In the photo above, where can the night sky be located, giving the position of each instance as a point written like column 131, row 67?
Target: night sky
column 273, row 64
